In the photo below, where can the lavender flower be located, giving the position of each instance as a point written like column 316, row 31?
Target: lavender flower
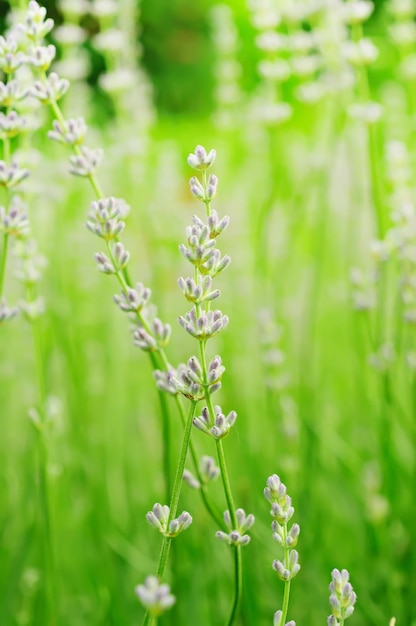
column 205, row 325
column 86, row 163
column 35, row 26
column 156, row 597
column 6, row 312
column 71, row 131
column 105, row 218
column 200, row 160
column 236, row 536
column 49, row 90
column 221, row 425
column 158, row 517
column 342, row 598
column 11, row 175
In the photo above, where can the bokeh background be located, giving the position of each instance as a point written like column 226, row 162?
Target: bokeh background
column 316, row 167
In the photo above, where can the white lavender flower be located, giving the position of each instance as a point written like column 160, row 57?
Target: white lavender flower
column 168, row 381
column 158, row 517
column 71, row 131
column 41, row 57
column 49, row 90
column 342, row 598
column 11, row 124
column 198, row 293
column 154, row 336
column 287, row 571
column 105, row 218
column 205, row 325
column 11, row 175
column 119, row 259
column 236, row 536
column 155, row 596
column 15, row 221
column 11, row 92
column 11, row 58
column 208, row 472
column 221, row 425
column 133, row 300
column 283, row 538
column 217, row 226
column 189, row 379
column 275, row 492
column 200, row 160
column 35, row 26
column 86, row 163
column 6, row 312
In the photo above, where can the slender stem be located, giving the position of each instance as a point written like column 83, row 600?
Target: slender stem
column 165, row 432
column 286, row 593
column 49, row 559
column 177, row 485
column 238, row 577
column 204, row 495
column 3, row 262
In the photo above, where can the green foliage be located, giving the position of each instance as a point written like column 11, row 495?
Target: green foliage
column 319, row 368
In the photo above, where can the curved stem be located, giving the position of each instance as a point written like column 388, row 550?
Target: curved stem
column 238, row 577
column 166, row 543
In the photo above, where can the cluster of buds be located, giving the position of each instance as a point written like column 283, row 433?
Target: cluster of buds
column 342, row 598
column 155, row 596
column 105, row 218
column 151, row 336
column 201, row 322
column 236, row 536
column 208, row 472
column 159, row 518
column 20, row 47
column 189, row 379
column 15, row 221
column 218, row 425
column 282, row 512
column 106, row 221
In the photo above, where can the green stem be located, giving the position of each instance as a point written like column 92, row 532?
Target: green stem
column 3, row 262
column 177, row 485
column 238, row 582
column 48, row 551
column 165, row 431
column 204, row 495
column 286, row 593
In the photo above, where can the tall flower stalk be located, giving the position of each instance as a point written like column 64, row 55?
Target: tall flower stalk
column 200, row 379
column 282, row 512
